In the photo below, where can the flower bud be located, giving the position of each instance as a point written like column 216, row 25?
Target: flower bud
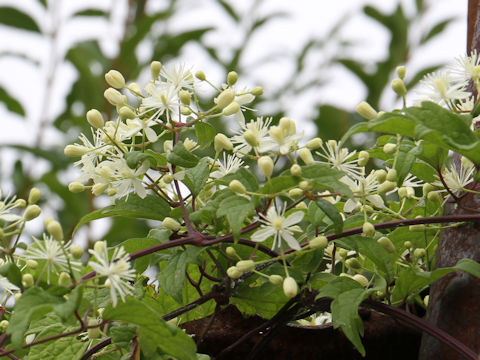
column 185, row 110
column 3, row 325
column 288, row 126
column 399, row 87
column 401, row 72
column 417, row 228
column 342, row 253
column 307, row 157
column 134, row 88
column 237, row 187
column 301, row 206
column 115, row 79
column 313, row 144
column 353, row 264
column 114, row 97
column 275, row 279
column 305, row 185
column 155, row 68
column 386, row 187
column 362, row 280
column 295, row 193
column 419, row 253
column 27, row 280
column 32, row 264
column 290, row 287
column 167, row 146
column 389, row 148
column 380, row 175
column 233, row 272
column 171, row 224
column 94, row 332
column 296, row 170
column 225, row 98
column 368, row 229
column 232, row 78
column 366, row 111
column 265, row 164
column 221, row 142
column 127, row 113
column 363, row 157
column 184, row 97
column 76, row 187
column 99, row 188
column 64, row 279
column 20, row 203
column 250, row 138
column 100, row 247
column 231, row 251
column 31, row 212
column 34, row 195
column 76, row 251
column 167, row 179
column 47, row 221
column 55, row 229
column 74, row 150
column 434, row 196
column 425, row 301
column 319, row 242
column 428, row 188
column 257, row 91
column 231, row 109
column 245, row 265
column 386, row 244
column 200, row 75
column 392, row 175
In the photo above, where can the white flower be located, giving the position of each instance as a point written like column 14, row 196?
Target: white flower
column 340, row 158
column 117, row 270
column 50, row 251
column 466, row 67
column 5, row 206
column 161, row 99
column 230, row 165
column 258, row 131
column 126, row 179
column 143, row 125
column 441, row 88
column 363, row 187
column 456, row 179
column 178, row 76
column 275, row 224
column 7, row 285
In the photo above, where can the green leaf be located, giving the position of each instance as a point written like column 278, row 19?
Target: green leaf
column 137, row 244
column 235, row 208
column 135, row 157
column 205, row 134
column 153, row 331
column 336, row 286
column 326, row 177
column 344, row 310
column 332, row 213
column 315, row 215
column 122, row 335
column 197, row 176
column 91, row 12
column 246, row 177
column 279, row 184
column 10, row 102
column 67, row 309
column 182, row 157
column 407, row 154
column 12, row 273
column 378, row 255
column 151, row 207
column 12, row 17
column 437, row 29
column 265, row 300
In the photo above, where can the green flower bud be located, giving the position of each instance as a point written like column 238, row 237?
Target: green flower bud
column 399, row 87
column 366, row 111
column 387, row 244
column 419, row 253
column 386, row 186
column 184, row 97
column 32, row 264
column 55, row 229
column 305, row 185
column 27, row 280
column 100, row 248
column 221, row 142
column 200, row 75
column 231, row 251
column 425, row 300
column 265, row 164
column 368, row 229
column 434, row 196
column 313, row 144
column 362, row 280
column 112, row 192
column 307, row 157
column 34, row 195
column 288, row 126
column 353, row 264
column 342, row 253
column 250, row 138
column 275, row 279
column 319, row 242
column 231, row 109
column 64, row 279
column 296, row 170
column 155, row 68
column 290, row 287
column 127, row 113
column 225, row 98
column 113, row 96
column 115, row 79
column 237, row 187
column 401, row 72
column 76, row 187
column 74, row 150
column 417, row 228
column 185, row 110
column 99, row 188
column 93, row 333
column 363, row 157
column 31, row 212
column 171, row 224
column 20, row 203
column 295, row 193
column 389, row 148
column 257, row 91
column 245, row 265
column 392, row 175
column 3, row 325
column 427, row 188
column 301, row 206
column 380, row 175
column 232, row 78
column 167, row 179
column 76, row 251
column 233, row 272
column 134, row 88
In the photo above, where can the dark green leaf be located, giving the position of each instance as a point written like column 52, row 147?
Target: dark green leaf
column 407, row 153
column 279, row 184
column 235, row 208
column 151, row 207
column 378, row 255
column 332, row 213
column 326, row 177
column 264, row 300
column 182, row 157
column 12, row 17
column 122, row 335
column 10, row 102
column 133, row 158
column 205, row 134
column 338, row 285
column 247, row 178
column 197, row 176
column 437, row 29
column 91, row 12
column 137, row 244
column 12, row 273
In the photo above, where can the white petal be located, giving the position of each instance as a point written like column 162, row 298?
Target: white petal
column 151, row 135
column 10, row 217
column 291, row 241
column 293, row 218
column 262, row 234
column 376, row 200
column 350, row 205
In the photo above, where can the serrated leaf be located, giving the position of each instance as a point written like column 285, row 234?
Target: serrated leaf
column 336, row 286
column 197, row 176
column 10, row 102
column 332, row 213
column 137, row 244
column 235, row 208
column 378, row 255
column 315, row 215
column 13, row 17
column 153, row 331
column 205, row 134
column 150, row 207
column 265, row 300
column 182, row 157
column 122, row 335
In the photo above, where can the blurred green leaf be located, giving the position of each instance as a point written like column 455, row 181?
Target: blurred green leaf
column 91, row 12
column 11, row 103
column 13, row 17
column 436, row 30
column 12, row 273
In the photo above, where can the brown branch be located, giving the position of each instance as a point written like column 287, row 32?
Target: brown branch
column 96, row 347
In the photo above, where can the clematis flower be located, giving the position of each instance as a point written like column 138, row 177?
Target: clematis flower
column 340, row 158
column 230, row 165
column 280, row 227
